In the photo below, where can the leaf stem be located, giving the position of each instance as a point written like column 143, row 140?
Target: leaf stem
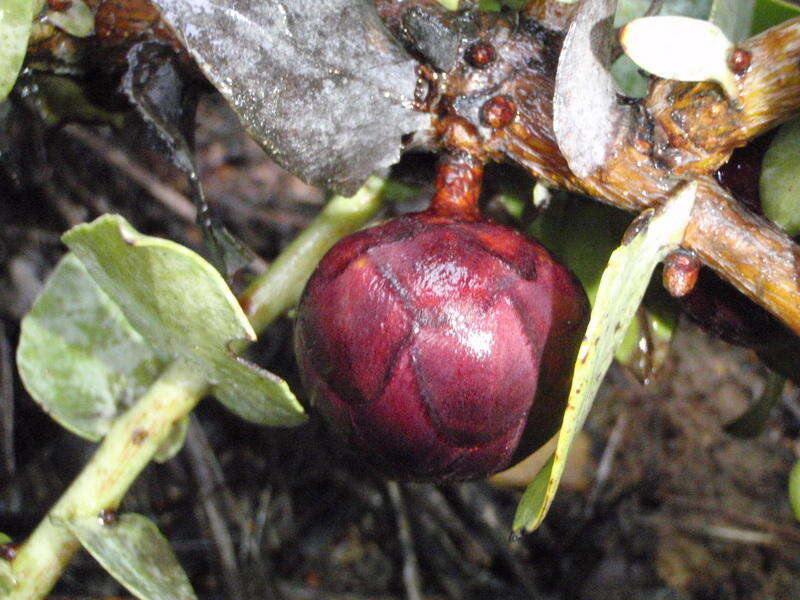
column 138, row 433
column 279, row 288
column 129, row 445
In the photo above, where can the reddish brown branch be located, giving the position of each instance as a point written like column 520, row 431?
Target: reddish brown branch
column 685, row 131
column 696, row 128
column 747, row 250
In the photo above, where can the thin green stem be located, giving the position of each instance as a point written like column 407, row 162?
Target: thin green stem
column 279, row 288
column 137, row 434
column 129, row 445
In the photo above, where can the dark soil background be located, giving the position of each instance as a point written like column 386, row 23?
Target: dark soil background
column 659, row 503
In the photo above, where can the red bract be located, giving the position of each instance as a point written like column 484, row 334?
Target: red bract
column 439, row 348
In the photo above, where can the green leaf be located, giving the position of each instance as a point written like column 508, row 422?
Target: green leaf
column 7, row 580
column 621, row 290
column 769, row 13
column 181, row 305
column 646, row 344
column 77, row 20
column 582, row 233
column 15, row 27
column 794, row 489
column 780, row 179
column 78, row 355
column 754, row 420
column 733, row 17
column 532, row 502
column 136, row 554
column 174, row 442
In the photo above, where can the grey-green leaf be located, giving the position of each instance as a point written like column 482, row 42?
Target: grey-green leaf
column 136, row 554
column 78, row 355
column 621, row 289
column 15, row 27
column 794, row 489
column 243, row 386
column 780, row 179
column 183, row 308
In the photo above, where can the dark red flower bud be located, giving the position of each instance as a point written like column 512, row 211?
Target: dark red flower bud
column 439, row 348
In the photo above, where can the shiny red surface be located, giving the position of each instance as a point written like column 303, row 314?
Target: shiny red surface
column 438, row 348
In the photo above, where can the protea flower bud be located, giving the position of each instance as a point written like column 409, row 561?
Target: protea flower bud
column 440, row 348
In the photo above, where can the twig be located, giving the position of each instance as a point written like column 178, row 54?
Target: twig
column 168, row 196
column 789, row 533
column 260, row 581
column 606, row 462
column 204, row 467
column 790, row 401
column 6, row 403
column 747, row 250
column 727, row 533
column 297, row 591
column 447, row 565
column 411, row 580
column 694, row 130
column 477, row 500
column 654, row 8
column 435, row 502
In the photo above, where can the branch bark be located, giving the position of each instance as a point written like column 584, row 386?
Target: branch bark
column 680, row 131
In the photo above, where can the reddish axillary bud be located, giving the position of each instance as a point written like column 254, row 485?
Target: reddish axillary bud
column 480, row 54
column 440, row 349
column 498, row 112
column 681, row 269
column 740, row 60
